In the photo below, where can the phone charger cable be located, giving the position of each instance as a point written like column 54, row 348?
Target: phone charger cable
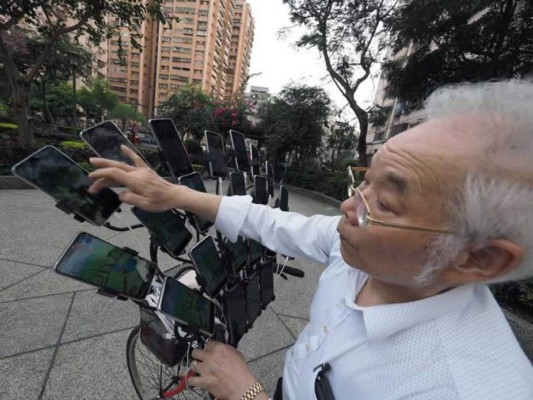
column 278, row 273
column 137, row 241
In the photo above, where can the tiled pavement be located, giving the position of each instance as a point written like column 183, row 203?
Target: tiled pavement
column 60, row 340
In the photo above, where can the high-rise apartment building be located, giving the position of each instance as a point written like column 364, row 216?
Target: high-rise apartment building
column 209, row 47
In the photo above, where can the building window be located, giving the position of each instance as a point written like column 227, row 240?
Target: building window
column 163, row 76
column 181, row 60
column 166, row 39
column 163, row 86
column 134, row 63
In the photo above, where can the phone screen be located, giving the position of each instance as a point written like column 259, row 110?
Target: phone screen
column 270, row 176
column 236, row 181
column 187, row 306
column 215, row 148
column 54, row 173
column 237, row 253
column 283, row 199
column 94, row 261
column 254, row 160
column 209, row 265
column 194, row 181
column 236, row 313
column 260, row 190
column 105, row 139
column 255, row 252
column 167, row 227
column 239, row 147
column 170, row 144
column 267, row 284
column 253, row 299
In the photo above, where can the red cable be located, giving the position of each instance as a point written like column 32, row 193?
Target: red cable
column 180, row 386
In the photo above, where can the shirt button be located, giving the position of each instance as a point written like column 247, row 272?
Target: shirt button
column 307, row 347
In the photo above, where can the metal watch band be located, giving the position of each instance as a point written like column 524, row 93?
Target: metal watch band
column 252, row 393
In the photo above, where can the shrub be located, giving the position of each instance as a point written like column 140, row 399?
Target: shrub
column 331, row 183
column 350, row 162
column 193, row 147
column 197, row 159
column 8, row 128
column 12, row 151
column 78, row 151
column 74, row 145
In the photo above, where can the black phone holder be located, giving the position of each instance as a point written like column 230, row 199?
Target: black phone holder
column 68, row 211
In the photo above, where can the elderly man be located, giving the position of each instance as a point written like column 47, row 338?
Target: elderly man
column 402, row 310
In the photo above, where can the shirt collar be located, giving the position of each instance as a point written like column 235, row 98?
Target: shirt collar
column 387, row 319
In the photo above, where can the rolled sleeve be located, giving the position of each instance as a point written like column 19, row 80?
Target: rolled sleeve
column 231, row 215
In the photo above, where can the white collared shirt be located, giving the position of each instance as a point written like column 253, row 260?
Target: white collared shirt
column 455, row 345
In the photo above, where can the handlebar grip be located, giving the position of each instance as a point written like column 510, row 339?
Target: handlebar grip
column 290, row 271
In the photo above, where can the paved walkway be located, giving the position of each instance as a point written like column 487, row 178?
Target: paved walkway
column 59, row 340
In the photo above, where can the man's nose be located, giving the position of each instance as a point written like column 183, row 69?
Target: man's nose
column 348, row 209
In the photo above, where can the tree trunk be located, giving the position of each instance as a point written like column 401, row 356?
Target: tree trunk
column 21, row 110
column 47, row 114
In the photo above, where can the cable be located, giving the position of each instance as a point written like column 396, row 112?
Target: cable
column 147, row 256
column 282, row 268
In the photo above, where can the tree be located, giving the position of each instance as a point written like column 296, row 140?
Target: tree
column 341, row 139
column 126, row 112
column 293, row 122
column 453, row 41
column 348, row 35
column 191, row 109
column 97, row 99
column 57, row 67
column 51, row 20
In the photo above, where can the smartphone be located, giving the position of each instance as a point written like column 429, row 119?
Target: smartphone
column 236, row 316
column 260, row 189
column 283, row 198
column 236, row 255
column 253, row 299
column 209, row 266
column 187, row 307
column 269, row 170
column 53, row 172
column 215, row 150
column 169, row 142
column 99, row 263
column 255, row 161
column 167, row 227
column 242, row 162
column 194, row 181
column 255, row 252
column 266, row 291
column 237, row 184
column 105, row 140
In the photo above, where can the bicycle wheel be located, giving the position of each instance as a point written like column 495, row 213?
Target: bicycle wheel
column 150, row 377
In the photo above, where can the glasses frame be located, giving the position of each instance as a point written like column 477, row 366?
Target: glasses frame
column 364, row 218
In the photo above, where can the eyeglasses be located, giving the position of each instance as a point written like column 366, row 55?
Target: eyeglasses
column 364, row 218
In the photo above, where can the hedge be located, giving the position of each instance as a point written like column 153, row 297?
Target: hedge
column 331, row 183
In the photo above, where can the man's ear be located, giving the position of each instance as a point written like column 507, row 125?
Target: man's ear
column 490, row 260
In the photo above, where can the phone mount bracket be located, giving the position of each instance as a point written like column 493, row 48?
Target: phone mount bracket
column 68, row 211
column 111, row 295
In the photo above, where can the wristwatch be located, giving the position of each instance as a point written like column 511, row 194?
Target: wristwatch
column 252, row 393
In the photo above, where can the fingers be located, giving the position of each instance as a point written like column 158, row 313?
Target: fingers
column 138, row 161
column 198, row 354
column 106, row 163
column 136, row 200
column 114, row 174
column 197, row 381
column 101, row 184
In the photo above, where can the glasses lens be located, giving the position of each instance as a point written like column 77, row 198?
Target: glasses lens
column 361, row 211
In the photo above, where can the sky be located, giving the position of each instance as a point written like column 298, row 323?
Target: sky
column 280, row 62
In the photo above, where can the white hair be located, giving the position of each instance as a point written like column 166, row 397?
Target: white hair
column 496, row 198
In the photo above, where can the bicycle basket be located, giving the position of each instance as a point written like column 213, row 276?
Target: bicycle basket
column 156, row 338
